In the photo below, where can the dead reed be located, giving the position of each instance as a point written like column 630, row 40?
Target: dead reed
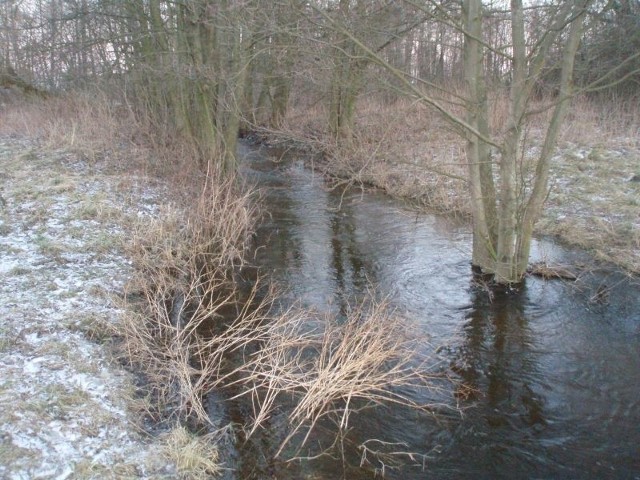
column 193, row 318
column 186, row 314
column 331, row 366
column 184, row 275
column 195, row 456
column 102, row 126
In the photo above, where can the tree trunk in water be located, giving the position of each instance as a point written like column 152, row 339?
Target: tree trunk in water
column 503, row 224
column 481, row 186
column 534, row 205
column 508, row 225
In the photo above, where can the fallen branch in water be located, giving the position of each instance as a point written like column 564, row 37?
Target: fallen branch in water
column 548, row 271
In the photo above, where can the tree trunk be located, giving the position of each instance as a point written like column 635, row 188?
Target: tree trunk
column 503, row 224
column 345, row 88
column 534, row 205
column 346, row 79
column 482, row 190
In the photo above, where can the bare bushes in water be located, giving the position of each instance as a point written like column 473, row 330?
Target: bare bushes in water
column 184, row 286
column 187, row 316
column 329, row 367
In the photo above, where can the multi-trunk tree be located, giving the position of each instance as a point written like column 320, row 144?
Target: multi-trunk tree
column 507, row 174
column 187, row 64
column 508, row 177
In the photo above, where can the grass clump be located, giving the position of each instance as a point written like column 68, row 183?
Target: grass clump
column 195, row 456
column 184, row 278
column 191, row 318
column 49, row 247
column 330, row 367
column 96, row 329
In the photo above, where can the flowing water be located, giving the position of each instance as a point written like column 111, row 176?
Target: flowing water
column 551, row 371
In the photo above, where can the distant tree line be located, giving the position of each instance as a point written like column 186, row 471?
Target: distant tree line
column 61, row 44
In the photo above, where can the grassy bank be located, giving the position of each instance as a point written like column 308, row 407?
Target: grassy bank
column 67, row 407
column 178, row 258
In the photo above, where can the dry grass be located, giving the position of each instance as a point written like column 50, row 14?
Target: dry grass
column 87, row 123
column 186, row 314
column 330, row 367
column 192, row 319
column 184, row 261
column 610, row 122
column 103, row 128
column 593, row 203
column 184, row 271
column 195, row 456
column 401, row 148
column 184, row 333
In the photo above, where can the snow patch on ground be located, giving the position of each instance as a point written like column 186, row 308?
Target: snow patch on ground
column 64, row 402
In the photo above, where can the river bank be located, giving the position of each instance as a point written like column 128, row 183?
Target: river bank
column 69, row 407
column 407, row 152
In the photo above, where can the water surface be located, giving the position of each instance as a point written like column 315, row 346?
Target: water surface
column 548, row 376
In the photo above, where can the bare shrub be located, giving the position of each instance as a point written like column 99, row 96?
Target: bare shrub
column 184, row 266
column 331, row 366
column 192, row 318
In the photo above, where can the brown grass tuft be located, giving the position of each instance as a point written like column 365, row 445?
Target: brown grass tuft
column 195, row 456
column 331, row 366
column 185, row 266
column 102, row 127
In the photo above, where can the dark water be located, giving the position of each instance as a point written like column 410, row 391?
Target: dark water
column 555, row 368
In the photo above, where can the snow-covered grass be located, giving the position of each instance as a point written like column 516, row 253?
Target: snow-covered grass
column 66, row 405
column 595, row 202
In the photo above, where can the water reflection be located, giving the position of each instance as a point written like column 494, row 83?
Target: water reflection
column 500, row 349
column 313, row 236
column 499, row 370
column 349, row 266
column 548, row 382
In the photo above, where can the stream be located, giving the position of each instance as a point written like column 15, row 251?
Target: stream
column 551, row 370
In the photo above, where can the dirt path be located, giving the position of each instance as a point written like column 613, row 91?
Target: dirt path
column 65, row 403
